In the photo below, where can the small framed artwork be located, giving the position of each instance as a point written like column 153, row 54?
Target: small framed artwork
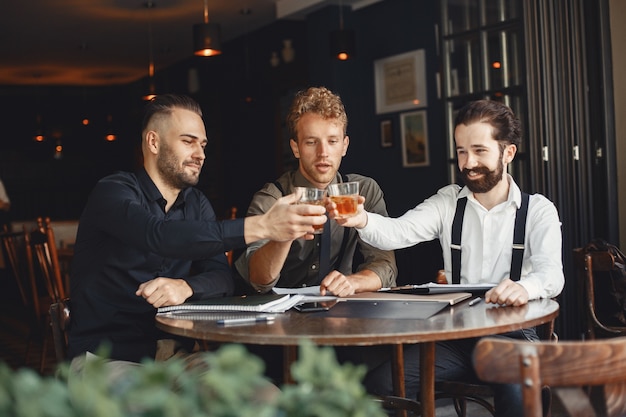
column 414, row 131
column 386, row 134
column 400, row 82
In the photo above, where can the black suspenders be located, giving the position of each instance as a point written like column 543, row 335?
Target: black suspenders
column 518, row 239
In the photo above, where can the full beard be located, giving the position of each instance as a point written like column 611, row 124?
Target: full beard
column 486, row 182
column 172, row 174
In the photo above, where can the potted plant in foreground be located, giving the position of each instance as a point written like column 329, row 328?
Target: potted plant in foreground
column 166, row 389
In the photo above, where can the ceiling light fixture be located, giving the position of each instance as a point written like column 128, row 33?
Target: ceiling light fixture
column 151, row 87
column 342, row 42
column 110, row 136
column 206, row 36
column 39, row 136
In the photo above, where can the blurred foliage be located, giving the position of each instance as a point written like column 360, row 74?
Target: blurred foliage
column 223, row 383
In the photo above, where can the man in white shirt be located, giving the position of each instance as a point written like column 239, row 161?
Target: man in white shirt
column 487, row 136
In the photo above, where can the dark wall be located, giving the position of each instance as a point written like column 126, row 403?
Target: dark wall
column 244, row 100
column 37, row 182
column 382, row 30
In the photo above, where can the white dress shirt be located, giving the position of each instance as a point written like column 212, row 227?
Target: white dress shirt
column 486, row 240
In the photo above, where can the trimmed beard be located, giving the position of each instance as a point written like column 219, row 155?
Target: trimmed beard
column 167, row 165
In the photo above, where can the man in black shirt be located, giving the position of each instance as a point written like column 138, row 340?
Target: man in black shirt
column 142, row 233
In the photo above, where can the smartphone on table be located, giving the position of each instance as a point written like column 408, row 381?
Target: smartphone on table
column 315, row 306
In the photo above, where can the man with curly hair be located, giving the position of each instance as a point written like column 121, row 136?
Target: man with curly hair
column 317, row 124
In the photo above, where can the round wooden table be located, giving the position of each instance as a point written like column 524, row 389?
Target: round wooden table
column 454, row 322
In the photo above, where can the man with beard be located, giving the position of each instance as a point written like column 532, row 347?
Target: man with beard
column 317, row 123
column 150, row 239
column 475, row 224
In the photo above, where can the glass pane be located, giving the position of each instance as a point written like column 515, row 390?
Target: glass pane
column 503, row 57
column 464, row 75
column 462, row 16
column 497, row 11
column 517, row 105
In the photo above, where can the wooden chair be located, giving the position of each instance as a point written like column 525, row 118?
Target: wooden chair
column 462, row 392
column 44, row 257
column 45, row 251
column 19, row 254
column 593, row 269
column 588, row 377
column 14, row 247
column 475, row 391
column 478, row 392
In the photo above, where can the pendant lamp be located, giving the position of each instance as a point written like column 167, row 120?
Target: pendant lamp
column 206, row 36
column 342, row 41
column 151, row 88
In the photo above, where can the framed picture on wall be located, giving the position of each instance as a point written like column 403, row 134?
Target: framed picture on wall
column 386, row 134
column 400, row 82
column 414, row 137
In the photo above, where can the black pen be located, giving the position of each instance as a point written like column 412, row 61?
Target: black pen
column 245, row 320
column 475, row 301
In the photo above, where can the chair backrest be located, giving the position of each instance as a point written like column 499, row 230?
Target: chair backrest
column 593, row 269
column 569, row 368
column 60, row 320
column 19, row 254
column 45, row 255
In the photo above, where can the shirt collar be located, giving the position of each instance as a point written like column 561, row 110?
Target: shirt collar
column 148, row 186
column 151, row 191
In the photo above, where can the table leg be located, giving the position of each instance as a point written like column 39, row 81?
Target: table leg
column 427, row 378
column 397, row 374
column 397, row 370
column 290, row 356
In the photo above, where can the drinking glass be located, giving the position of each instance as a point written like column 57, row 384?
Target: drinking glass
column 313, row 196
column 346, row 196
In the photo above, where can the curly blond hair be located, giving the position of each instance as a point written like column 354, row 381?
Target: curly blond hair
column 319, row 100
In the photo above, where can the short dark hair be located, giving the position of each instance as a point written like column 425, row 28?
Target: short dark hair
column 506, row 126
column 163, row 104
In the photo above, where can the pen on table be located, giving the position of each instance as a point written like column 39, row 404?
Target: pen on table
column 475, row 301
column 245, row 320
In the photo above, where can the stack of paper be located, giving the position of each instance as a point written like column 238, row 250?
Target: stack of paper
column 265, row 303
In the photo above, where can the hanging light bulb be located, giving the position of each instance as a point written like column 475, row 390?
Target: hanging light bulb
column 206, row 36
column 58, row 150
column 151, row 88
column 39, row 136
column 342, row 41
column 110, row 136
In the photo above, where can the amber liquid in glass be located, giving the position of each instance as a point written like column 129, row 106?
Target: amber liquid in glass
column 317, row 228
column 346, row 204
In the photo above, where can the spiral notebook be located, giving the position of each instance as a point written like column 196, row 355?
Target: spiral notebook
column 264, row 303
